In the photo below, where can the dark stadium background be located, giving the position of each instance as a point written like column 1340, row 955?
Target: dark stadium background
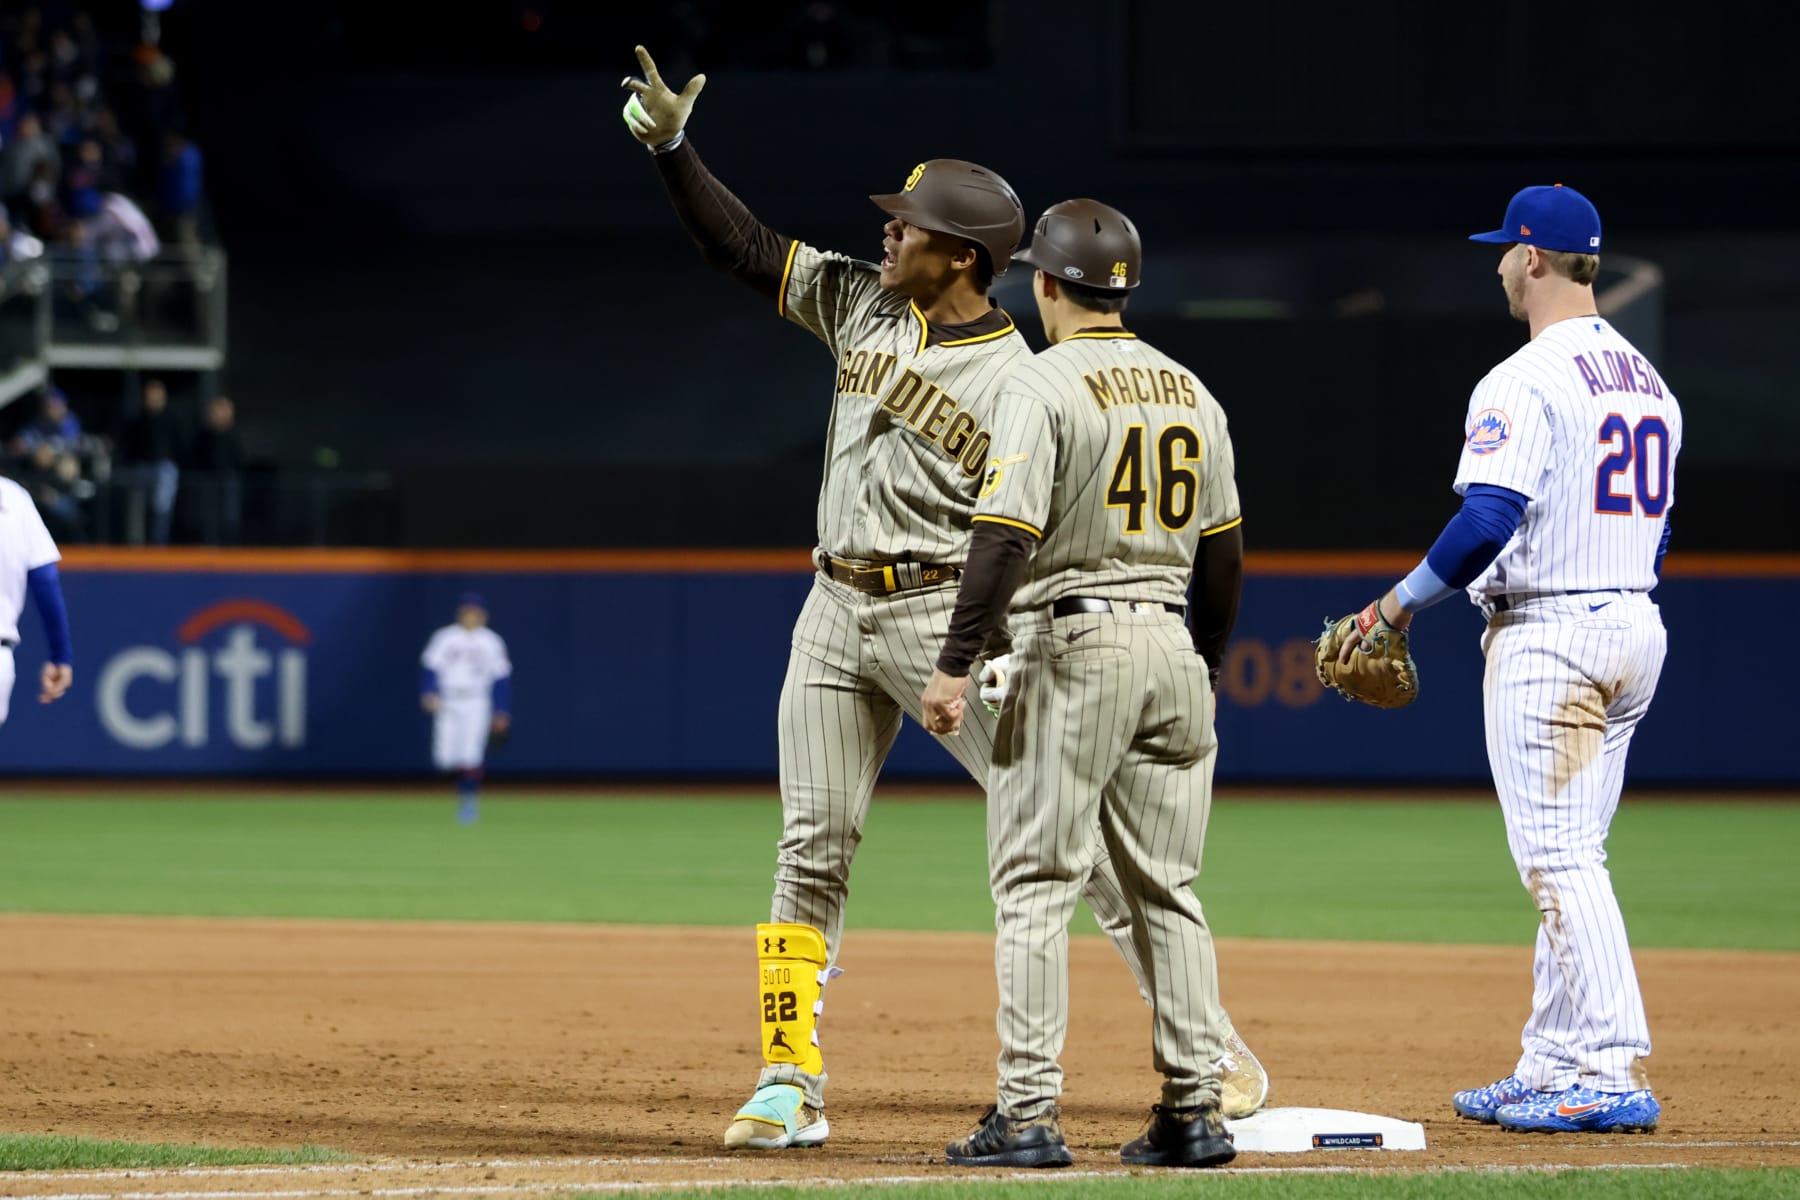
column 451, row 264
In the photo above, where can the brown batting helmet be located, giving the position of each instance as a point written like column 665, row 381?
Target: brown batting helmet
column 970, row 201
column 1086, row 242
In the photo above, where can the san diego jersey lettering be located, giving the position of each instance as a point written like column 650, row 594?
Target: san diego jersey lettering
column 909, row 432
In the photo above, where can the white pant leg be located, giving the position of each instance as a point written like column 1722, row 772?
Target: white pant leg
column 1564, row 691
column 459, row 736
column 6, row 681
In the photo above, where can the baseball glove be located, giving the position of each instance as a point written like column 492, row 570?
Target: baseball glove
column 1381, row 672
column 498, row 736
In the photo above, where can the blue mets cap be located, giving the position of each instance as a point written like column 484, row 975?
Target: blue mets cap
column 472, row 600
column 1550, row 218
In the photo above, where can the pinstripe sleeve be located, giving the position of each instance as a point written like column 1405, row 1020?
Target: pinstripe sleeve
column 1509, row 438
column 1219, row 509
column 822, row 292
column 1021, row 476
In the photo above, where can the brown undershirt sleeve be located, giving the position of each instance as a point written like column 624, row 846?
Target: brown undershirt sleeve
column 1213, row 604
column 730, row 237
column 998, row 557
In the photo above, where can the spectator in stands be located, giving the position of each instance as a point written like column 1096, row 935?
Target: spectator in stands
column 119, row 232
column 66, row 65
column 51, row 476
column 9, row 105
column 54, row 426
column 61, row 115
column 29, row 156
column 82, row 181
column 42, row 213
column 178, row 189
column 219, row 457
column 119, row 152
column 149, row 447
column 15, row 244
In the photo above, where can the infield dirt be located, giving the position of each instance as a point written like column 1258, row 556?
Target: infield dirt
column 433, row 1049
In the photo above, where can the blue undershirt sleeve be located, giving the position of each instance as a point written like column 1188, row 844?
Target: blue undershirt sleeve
column 428, row 682
column 503, row 694
column 1469, row 544
column 46, row 590
column 1662, row 547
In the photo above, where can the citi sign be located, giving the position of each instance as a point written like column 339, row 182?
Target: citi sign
column 149, row 697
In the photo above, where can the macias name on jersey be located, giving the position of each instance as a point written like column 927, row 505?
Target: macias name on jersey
column 1115, row 386
column 1616, row 371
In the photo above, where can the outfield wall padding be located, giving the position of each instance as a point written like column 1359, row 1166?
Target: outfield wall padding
column 643, row 666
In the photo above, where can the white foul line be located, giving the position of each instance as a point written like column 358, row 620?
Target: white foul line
column 826, row 1182
column 355, row 1168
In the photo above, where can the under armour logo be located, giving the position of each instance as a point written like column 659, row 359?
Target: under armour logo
column 779, row 1042
column 779, row 946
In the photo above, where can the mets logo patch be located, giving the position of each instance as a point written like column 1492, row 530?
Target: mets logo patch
column 1489, row 432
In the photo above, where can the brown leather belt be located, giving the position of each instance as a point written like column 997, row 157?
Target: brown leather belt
column 886, row 578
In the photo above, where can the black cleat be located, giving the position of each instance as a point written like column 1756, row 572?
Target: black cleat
column 1001, row 1141
column 1182, row 1137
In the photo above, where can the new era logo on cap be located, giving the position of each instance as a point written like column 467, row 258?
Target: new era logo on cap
column 1552, row 218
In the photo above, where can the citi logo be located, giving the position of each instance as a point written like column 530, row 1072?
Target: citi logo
column 149, row 697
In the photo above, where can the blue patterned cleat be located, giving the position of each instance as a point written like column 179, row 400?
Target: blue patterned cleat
column 776, row 1118
column 1583, row 1110
column 1478, row 1104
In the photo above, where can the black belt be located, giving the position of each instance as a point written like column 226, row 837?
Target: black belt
column 1503, row 603
column 1068, row 606
column 886, row 578
column 8, row 643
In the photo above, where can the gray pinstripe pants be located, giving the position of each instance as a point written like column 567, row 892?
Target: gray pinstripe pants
column 1105, row 753
column 859, row 663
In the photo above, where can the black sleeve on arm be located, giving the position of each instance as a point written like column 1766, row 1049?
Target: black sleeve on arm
column 1213, row 606
column 730, row 237
column 998, row 556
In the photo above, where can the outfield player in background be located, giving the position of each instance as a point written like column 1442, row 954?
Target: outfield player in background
column 466, row 685
column 921, row 351
column 28, row 559
column 1111, row 489
column 1567, row 478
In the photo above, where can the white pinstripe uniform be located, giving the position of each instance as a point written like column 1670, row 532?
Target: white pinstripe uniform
column 467, row 662
column 906, row 449
column 1119, row 460
column 1582, row 425
column 25, row 545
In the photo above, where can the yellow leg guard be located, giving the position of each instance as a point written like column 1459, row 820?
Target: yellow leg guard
column 790, row 962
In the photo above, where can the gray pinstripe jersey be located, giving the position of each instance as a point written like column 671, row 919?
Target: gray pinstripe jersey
column 909, row 432
column 1119, row 459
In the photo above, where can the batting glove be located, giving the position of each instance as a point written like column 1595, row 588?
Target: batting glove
column 655, row 113
column 995, row 680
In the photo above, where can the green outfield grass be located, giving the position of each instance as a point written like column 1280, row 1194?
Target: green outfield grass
column 50, row 1152
column 1698, row 873
column 1434, row 1185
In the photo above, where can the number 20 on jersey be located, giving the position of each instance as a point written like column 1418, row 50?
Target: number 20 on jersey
column 1643, row 451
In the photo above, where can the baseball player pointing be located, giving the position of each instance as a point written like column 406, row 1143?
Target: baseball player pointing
column 1567, row 477
column 1111, row 488
column 921, row 351
column 28, row 559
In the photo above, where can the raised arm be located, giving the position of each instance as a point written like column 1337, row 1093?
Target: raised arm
column 729, row 236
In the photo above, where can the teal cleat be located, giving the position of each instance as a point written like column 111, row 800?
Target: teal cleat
column 777, row 1118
